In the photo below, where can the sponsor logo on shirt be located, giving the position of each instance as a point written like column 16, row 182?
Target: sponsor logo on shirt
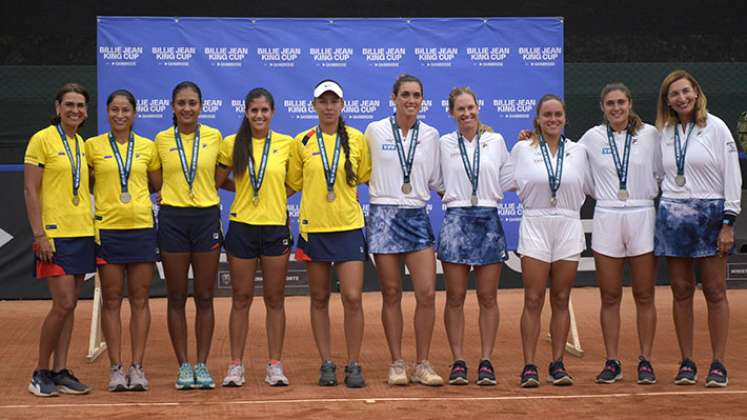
column 108, row 156
column 388, row 147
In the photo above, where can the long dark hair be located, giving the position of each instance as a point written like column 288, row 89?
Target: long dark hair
column 178, row 88
column 242, row 147
column 67, row 88
column 537, row 129
column 125, row 94
column 350, row 176
column 404, row 78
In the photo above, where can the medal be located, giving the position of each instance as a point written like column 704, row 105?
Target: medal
column 190, row 172
column 74, row 163
column 125, row 197
column 123, row 168
column 472, row 170
column 680, row 151
column 330, row 173
column 192, row 194
column 405, row 162
column 553, row 176
column 257, row 179
column 621, row 166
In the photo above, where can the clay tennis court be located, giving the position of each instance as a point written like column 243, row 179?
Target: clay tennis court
column 20, row 322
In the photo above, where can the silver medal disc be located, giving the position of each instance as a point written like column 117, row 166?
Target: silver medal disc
column 76, row 200
column 407, row 188
column 125, row 197
column 553, row 201
column 623, row 195
column 331, row 196
column 680, row 180
column 473, row 200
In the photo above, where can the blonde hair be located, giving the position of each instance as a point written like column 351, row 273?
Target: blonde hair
column 464, row 90
column 536, row 126
column 665, row 115
column 634, row 121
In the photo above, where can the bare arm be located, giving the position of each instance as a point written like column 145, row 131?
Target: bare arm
column 32, row 180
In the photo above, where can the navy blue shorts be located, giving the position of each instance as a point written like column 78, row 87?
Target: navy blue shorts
column 189, row 229
column 688, row 227
column 349, row 245
column 126, row 246
column 252, row 241
column 395, row 230
column 472, row 236
column 72, row 256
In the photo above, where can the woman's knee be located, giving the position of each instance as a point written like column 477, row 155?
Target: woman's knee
column 487, row 300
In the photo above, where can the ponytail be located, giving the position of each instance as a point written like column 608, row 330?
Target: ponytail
column 350, row 177
column 242, row 147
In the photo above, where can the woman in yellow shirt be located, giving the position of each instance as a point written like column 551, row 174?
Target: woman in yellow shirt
column 121, row 163
column 59, row 210
column 328, row 162
column 189, row 231
column 258, row 230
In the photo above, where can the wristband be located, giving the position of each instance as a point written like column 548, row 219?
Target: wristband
column 729, row 219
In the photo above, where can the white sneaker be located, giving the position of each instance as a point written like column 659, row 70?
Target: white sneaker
column 398, row 373
column 117, row 379
column 234, row 376
column 137, row 380
column 274, row 375
column 424, row 374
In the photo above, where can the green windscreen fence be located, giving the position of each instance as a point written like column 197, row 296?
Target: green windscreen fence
column 26, row 96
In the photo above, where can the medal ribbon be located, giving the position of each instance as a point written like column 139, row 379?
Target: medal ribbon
column 679, row 149
column 405, row 162
column 190, row 173
column 74, row 164
column 473, row 170
column 621, row 167
column 256, row 179
column 329, row 173
column 124, row 169
column 553, row 176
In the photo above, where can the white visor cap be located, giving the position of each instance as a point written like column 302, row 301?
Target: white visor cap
column 327, row 86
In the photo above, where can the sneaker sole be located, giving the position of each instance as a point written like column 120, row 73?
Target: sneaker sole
column 233, row 384
column 65, row 390
column 716, row 384
column 564, row 381
column 117, row 388
column 276, row 383
column 355, row 385
column 486, row 382
column 138, row 388
column 458, row 381
column 401, row 381
column 203, row 386
column 646, row 381
column 34, row 390
column 435, row 383
column 685, row 381
column 328, row 382
column 609, row 381
column 531, row 383
column 182, row 387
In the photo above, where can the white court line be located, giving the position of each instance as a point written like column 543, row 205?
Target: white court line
column 381, row 399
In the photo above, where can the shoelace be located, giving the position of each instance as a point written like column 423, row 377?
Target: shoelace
column 645, row 368
column 717, row 372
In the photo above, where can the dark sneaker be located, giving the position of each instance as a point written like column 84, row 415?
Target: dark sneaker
column 328, row 374
column 67, row 383
column 42, row 384
column 688, row 373
column 354, row 375
column 530, row 377
column 611, row 373
column 458, row 374
column 646, row 375
column 486, row 373
column 717, row 376
column 558, row 374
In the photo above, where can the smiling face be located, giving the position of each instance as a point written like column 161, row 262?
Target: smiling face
column 682, row 97
column 465, row 112
column 121, row 113
column 551, row 118
column 259, row 113
column 328, row 107
column 408, row 99
column 72, row 109
column 186, row 107
column 616, row 108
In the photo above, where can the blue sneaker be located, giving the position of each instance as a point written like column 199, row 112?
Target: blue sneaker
column 688, row 373
column 558, row 374
column 611, row 373
column 185, row 379
column 717, row 376
column 530, row 376
column 42, row 384
column 67, row 383
column 203, row 380
column 328, row 374
column 646, row 375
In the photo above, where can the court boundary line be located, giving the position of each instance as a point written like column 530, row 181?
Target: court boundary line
column 373, row 400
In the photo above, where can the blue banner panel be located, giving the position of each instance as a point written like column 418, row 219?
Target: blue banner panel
column 508, row 62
